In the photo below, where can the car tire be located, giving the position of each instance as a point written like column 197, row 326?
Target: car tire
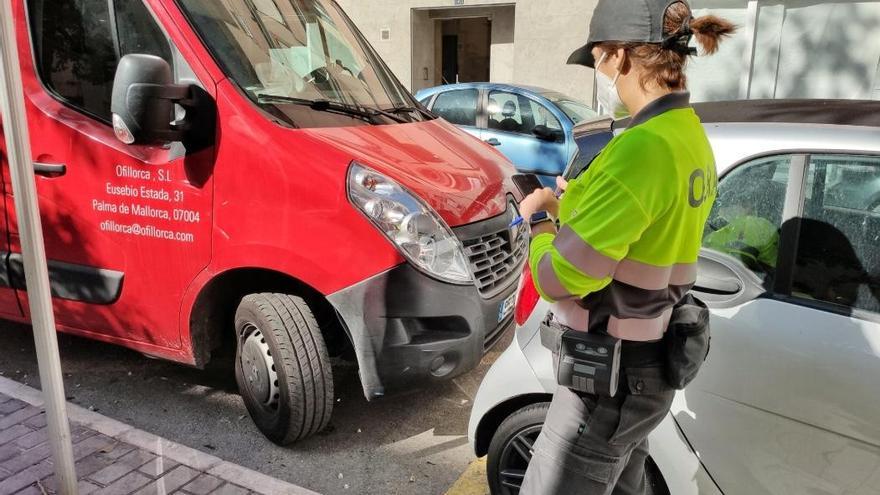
column 509, row 450
column 524, row 425
column 282, row 367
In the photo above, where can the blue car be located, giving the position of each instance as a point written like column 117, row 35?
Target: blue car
column 531, row 126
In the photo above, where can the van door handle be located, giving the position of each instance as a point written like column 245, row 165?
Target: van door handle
column 493, row 142
column 50, row 169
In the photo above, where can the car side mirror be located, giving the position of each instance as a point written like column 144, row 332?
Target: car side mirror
column 545, row 133
column 143, row 105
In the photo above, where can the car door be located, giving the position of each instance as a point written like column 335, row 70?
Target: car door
column 8, row 300
column 787, row 400
column 512, row 119
column 459, row 107
column 117, row 218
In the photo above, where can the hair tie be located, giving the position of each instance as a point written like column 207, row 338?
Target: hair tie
column 680, row 40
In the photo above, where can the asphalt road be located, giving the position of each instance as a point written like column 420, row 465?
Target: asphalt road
column 414, row 443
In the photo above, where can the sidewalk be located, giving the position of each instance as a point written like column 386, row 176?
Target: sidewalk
column 112, row 457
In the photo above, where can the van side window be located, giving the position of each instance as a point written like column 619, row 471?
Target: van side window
column 77, row 44
column 837, row 257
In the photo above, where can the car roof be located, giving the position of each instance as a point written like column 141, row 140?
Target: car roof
column 802, row 111
column 739, row 130
column 535, row 90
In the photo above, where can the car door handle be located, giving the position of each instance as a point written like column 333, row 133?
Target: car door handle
column 493, row 142
column 50, row 169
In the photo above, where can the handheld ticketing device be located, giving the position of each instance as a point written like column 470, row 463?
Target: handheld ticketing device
column 527, row 183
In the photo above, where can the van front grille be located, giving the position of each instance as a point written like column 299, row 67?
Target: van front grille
column 496, row 258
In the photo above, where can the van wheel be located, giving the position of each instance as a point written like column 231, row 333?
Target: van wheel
column 282, row 367
column 511, row 448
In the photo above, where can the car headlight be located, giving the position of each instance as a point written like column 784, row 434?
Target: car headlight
column 415, row 228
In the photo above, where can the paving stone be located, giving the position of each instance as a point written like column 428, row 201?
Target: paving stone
column 125, row 464
column 13, row 433
column 18, row 416
column 78, row 434
column 230, row 489
column 91, row 445
column 31, row 490
column 24, row 478
column 33, row 438
column 85, row 487
column 203, row 484
column 9, row 451
column 92, row 464
column 84, row 467
column 116, row 450
column 11, row 406
column 127, row 484
column 27, row 458
column 175, row 478
column 37, row 420
column 158, row 466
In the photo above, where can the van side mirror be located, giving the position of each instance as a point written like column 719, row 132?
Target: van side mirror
column 545, row 133
column 143, row 105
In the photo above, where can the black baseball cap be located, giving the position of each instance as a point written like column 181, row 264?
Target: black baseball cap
column 638, row 21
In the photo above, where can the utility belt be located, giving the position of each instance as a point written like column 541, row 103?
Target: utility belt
column 592, row 362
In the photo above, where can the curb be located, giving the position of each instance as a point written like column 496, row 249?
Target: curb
column 213, row 465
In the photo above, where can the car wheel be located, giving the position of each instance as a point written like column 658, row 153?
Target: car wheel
column 511, row 451
column 511, row 448
column 282, row 367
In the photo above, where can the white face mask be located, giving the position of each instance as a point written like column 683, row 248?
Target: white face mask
column 607, row 94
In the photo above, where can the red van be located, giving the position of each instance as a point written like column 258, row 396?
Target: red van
column 251, row 171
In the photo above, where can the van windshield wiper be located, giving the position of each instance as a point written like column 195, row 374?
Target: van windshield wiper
column 420, row 111
column 331, row 106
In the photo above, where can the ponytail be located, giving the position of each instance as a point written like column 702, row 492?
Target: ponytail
column 663, row 65
column 710, row 30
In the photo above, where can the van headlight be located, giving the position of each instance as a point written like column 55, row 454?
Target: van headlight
column 415, row 228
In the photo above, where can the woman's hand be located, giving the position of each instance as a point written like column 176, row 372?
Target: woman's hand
column 540, row 200
column 561, row 184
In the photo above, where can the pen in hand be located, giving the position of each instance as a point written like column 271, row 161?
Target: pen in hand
column 520, row 220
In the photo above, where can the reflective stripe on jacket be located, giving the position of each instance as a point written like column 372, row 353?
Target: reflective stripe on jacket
column 631, row 226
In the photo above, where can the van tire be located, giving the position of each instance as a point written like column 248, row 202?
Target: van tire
column 282, row 367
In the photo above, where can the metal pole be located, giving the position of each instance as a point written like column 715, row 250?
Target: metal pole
column 34, row 254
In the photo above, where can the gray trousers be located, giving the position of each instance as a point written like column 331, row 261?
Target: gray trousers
column 594, row 445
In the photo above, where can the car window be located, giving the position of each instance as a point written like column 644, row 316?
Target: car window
column 510, row 112
column 458, row 107
column 543, row 116
column 575, row 110
column 77, row 47
column 837, row 259
column 746, row 218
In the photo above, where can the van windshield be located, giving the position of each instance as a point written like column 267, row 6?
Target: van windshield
column 300, row 50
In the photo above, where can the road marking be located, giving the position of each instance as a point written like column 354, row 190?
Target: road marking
column 472, row 481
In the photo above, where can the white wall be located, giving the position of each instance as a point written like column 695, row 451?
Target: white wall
column 802, row 49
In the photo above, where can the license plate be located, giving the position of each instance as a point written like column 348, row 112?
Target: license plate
column 506, row 307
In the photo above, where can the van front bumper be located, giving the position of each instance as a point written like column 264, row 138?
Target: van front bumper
column 409, row 329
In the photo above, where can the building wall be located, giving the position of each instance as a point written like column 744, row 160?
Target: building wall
column 547, row 31
column 529, row 46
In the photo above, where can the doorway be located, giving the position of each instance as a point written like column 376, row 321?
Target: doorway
column 465, row 49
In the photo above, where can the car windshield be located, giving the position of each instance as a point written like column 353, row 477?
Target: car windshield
column 297, row 49
column 575, row 110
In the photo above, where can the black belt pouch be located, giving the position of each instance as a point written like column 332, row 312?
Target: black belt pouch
column 687, row 341
column 585, row 362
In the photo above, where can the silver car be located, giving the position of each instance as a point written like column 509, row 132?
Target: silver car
column 788, row 401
